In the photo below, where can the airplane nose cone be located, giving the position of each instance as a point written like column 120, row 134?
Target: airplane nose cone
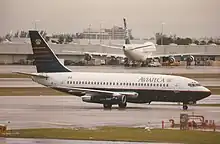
column 206, row 92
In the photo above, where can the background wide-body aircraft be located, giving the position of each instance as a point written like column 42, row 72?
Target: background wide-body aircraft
column 138, row 54
column 110, row 88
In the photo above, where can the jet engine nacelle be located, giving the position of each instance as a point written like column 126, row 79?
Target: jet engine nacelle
column 171, row 59
column 190, row 58
column 88, row 57
column 112, row 100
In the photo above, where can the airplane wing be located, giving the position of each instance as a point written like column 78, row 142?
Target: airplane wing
column 98, row 93
column 96, row 53
column 167, row 55
column 110, row 46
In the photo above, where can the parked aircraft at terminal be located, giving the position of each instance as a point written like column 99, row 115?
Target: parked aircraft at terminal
column 137, row 53
column 143, row 53
column 111, row 88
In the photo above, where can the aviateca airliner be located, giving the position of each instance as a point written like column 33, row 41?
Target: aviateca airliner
column 111, row 88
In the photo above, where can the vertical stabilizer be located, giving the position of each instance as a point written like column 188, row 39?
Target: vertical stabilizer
column 44, row 57
column 127, row 37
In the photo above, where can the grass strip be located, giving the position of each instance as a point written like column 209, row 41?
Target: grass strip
column 29, row 91
column 122, row 134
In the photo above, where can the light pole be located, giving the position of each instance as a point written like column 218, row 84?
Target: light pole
column 162, row 33
column 35, row 24
column 89, row 32
column 100, row 35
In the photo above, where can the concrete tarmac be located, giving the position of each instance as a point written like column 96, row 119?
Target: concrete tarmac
column 70, row 111
column 166, row 70
column 27, row 82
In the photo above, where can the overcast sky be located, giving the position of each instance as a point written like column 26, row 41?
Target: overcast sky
column 194, row 18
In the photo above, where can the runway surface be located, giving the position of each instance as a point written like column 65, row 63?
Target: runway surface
column 54, row 141
column 70, row 111
column 167, row 70
column 27, row 82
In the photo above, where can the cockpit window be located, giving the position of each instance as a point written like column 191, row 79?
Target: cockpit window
column 193, row 84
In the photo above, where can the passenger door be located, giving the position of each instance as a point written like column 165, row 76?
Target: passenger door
column 176, row 88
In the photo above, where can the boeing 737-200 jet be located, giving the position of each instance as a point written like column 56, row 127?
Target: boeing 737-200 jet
column 111, row 88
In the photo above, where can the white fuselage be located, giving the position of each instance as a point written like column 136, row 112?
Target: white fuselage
column 139, row 52
column 123, row 81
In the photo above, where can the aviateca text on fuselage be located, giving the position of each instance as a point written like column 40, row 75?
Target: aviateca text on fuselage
column 111, row 88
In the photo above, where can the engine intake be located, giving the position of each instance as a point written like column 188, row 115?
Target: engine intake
column 190, row 58
column 88, row 57
column 171, row 59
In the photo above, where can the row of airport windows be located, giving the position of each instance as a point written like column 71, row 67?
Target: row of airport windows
column 116, row 83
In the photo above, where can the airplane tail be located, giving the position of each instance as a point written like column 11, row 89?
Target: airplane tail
column 127, row 37
column 44, row 57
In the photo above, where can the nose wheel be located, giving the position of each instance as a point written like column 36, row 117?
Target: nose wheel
column 185, row 107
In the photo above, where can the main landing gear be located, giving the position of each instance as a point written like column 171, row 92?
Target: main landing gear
column 109, row 106
column 185, row 107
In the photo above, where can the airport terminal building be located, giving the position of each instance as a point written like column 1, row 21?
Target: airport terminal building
column 15, row 53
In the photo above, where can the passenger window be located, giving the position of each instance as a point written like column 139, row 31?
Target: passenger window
column 120, row 83
column 103, row 83
column 70, row 82
column 85, row 82
column 145, row 84
column 82, row 82
column 160, row 85
column 164, row 85
column 136, row 84
column 141, row 84
column 94, row 83
column 124, row 83
column 151, row 84
column 91, row 82
column 148, row 84
column 167, row 85
column 113, row 83
column 154, row 84
column 67, row 82
column 106, row 83
column 97, row 83
column 157, row 85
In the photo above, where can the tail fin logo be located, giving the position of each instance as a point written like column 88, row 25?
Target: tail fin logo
column 38, row 41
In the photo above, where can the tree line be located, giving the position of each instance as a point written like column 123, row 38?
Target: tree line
column 162, row 39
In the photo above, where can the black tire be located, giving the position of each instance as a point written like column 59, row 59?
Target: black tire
column 122, row 105
column 185, row 107
column 107, row 106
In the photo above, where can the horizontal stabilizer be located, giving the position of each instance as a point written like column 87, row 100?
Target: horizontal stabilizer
column 31, row 74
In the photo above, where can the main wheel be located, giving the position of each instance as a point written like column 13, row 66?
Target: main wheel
column 107, row 106
column 122, row 105
column 185, row 107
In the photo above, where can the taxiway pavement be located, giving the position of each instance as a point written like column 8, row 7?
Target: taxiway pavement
column 70, row 111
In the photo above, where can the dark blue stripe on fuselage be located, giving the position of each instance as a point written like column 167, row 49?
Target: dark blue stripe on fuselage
column 147, row 95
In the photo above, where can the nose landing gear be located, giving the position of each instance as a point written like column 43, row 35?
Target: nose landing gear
column 185, row 107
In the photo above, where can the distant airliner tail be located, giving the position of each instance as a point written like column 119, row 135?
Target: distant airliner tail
column 44, row 57
column 127, row 37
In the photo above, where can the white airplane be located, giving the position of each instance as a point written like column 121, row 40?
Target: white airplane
column 142, row 53
column 111, row 88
